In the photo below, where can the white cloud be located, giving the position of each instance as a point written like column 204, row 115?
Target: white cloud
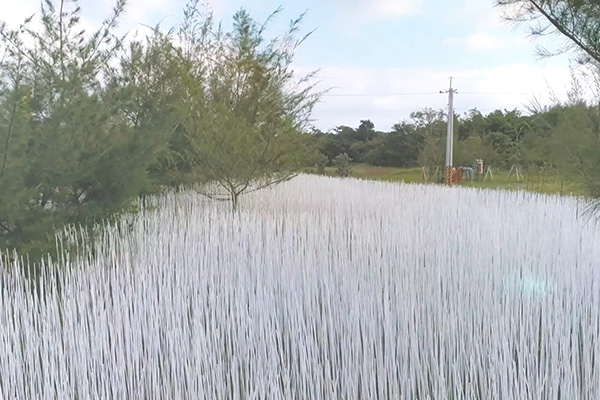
column 482, row 41
column 488, row 23
column 477, row 14
column 137, row 12
column 17, row 12
column 377, row 9
column 385, row 9
column 143, row 11
column 389, row 96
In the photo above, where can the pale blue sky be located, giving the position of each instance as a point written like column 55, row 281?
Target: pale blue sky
column 383, row 59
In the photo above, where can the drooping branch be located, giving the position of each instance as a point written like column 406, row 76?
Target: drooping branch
column 569, row 33
column 577, row 21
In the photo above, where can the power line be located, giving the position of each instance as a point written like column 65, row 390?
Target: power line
column 378, row 94
column 410, row 77
column 405, row 76
column 499, row 93
column 424, row 94
column 426, row 78
column 392, row 111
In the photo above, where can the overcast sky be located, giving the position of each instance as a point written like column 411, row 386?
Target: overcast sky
column 383, row 59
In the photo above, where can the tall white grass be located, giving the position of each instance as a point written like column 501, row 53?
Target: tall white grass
column 319, row 289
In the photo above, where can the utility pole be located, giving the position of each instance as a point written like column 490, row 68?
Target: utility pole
column 450, row 133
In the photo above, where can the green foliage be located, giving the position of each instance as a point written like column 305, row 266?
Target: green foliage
column 332, row 145
column 320, row 164
column 343, row 165
column 244, row 114
column 573, row 143
column 145, row 89
column 472, row 148
column 359, row 151
column 576, row 20
column 365, row 131
column 556, row 147
column 66, row 157
column 87, row 125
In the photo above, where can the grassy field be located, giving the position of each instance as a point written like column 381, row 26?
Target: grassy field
column 317, row 289
column 533, row 182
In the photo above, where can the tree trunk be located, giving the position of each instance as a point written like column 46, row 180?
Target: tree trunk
column 234, row 201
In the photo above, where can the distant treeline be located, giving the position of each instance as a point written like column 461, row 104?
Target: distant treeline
column 562, row 139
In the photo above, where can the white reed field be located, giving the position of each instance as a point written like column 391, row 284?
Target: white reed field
column 321, row 288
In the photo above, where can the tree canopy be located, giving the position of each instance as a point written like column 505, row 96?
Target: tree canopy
column 578, row 21
column 90, row 120
column 246, row 110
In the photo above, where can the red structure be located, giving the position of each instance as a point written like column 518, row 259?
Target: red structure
column 479, row 163
column 459, row 174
